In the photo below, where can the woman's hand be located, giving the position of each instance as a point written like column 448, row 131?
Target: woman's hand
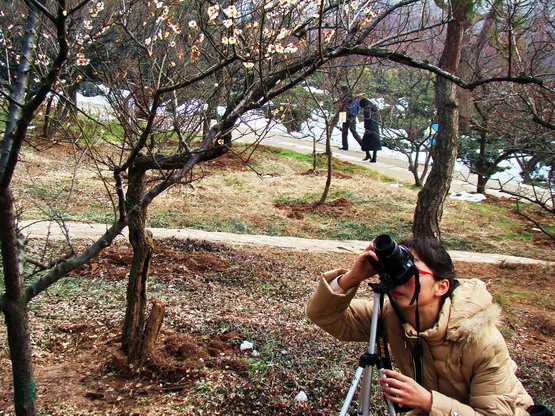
column 403, row 390
column 361, row 270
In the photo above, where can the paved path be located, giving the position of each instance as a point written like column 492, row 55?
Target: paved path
column 34, row 229
column 389, row 163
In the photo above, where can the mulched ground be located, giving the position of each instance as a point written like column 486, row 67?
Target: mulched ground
column 217, row 297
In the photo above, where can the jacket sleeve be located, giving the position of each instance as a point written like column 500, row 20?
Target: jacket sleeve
column 494, row 388
column 339, row 315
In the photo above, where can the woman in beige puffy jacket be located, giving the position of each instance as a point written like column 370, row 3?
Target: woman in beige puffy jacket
column 466, row 364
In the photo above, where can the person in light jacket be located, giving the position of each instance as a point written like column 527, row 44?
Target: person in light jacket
column 467, row 369
column 350, row 106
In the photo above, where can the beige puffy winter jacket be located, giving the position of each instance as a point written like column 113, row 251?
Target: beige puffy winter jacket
column 466, row 361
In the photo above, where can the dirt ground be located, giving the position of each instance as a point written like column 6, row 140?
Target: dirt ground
column 217, row 298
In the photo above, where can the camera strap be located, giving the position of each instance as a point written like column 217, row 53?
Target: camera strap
column 417, row 350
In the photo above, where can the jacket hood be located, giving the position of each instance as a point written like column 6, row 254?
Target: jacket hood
column 472, row 310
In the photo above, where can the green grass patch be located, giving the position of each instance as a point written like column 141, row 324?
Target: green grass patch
column 161, row 218
column 515, row 235
column 455, row 242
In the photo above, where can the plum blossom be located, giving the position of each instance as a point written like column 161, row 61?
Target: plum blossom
column 231, row 11
column 99, row 6
column 193, row 25
column 81, row 60
column 87, row 24
column 213, row 11
column 232, row 40
column 227, row 22
column 283, row 33
column 164, row 15
column 248, row 65
column 291, row 48
column 370, row 12
column 329, row 35
column 195, row 53
column 175, row 28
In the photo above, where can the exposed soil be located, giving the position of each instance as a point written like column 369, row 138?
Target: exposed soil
column 340, row 207
column 218, row 297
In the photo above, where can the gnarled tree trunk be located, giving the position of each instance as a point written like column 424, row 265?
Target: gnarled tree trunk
column 429, row 208
column 143, row 247
column 14, row 307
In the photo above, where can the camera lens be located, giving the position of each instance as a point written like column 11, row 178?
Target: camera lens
column 389, row 253
column 395, row 261
column 384, row 246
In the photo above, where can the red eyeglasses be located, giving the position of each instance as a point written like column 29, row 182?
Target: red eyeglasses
column 420, row 271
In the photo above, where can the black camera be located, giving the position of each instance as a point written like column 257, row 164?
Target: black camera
column 396, row 263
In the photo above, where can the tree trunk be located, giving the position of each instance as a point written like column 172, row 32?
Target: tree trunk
column 329, row 162
column 527, row 168
column 19, row 340
column 481, row 184
column 15, row 311
column 429, row 208
column 46, row 132
column 142, row 243
column 481, row 164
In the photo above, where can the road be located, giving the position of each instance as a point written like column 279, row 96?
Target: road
column 42, row 229
column 389, row 163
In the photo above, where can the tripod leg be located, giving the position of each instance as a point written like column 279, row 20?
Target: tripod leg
column 351, row 392
column 364, row 396
column 365, row 370
column 390, row 406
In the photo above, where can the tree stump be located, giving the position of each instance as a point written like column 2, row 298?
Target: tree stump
column 152, row 328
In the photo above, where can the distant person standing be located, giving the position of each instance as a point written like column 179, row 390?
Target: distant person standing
column 350, row 106
column 371, row 138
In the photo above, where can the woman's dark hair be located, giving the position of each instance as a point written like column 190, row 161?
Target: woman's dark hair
column 431, row 252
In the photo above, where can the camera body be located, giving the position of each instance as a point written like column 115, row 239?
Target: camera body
column 396, row 263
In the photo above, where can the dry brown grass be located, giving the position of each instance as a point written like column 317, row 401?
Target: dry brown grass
column 226, row 195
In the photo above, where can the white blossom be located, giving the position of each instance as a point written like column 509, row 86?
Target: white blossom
column 283, row 33
column 231, row 11
column 81, row 60
column 213, row 11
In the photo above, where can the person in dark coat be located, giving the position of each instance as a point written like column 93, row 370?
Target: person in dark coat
column 350, row 106
column 371, row 138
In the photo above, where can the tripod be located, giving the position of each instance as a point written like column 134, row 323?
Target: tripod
column 365, row 368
